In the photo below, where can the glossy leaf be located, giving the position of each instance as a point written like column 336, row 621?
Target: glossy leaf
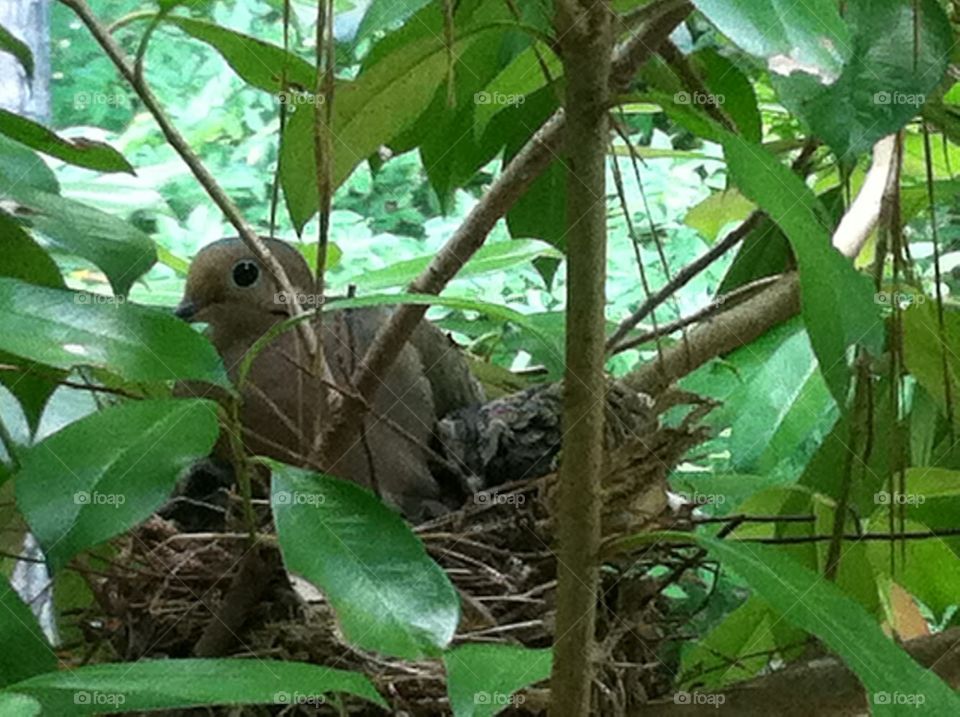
column 26, row 652
column 482, row 679
column 107, row 472
column 389, row 595
column 77, row 151
column 11, row 44
column 149, row 685
column 122, row 251
column 65, row 329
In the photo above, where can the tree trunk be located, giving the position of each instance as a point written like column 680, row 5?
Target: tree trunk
column 29, row 22
column 584, row 29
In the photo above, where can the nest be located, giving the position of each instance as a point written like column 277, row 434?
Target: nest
column 164, row 588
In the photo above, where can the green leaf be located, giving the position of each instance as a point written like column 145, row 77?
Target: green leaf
column 898, row 59
column 541, row 211
column 817, row 606
column 258, row 63
column 382, row 14
column 765, row 251
column 729, row 652
column 718, row 210
column 388, row 594
column 482, row 679
column 732, row 91
column 491, row 257
column 66, row 329
column 14, row 705
column 22, row 258
column 26, row 651
column 31, row 384
column 107, row 472
column 827, row 279
column 931, row 356
column 123, row 252
column 79, row 152
column 9, row 43
column 19, row 165
column 809, row 36
column 522, row 77
column 167, row 684
column 384, row 100
column 779, row 408
column 937, row 588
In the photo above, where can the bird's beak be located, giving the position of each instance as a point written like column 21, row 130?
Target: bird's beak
column 185, row 310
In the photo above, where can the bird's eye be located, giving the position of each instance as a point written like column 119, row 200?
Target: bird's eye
column 245, row 273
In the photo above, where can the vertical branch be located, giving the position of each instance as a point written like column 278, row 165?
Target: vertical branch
column 937, row 283
column 323, row 152
column 284, row 97
column 585, row 31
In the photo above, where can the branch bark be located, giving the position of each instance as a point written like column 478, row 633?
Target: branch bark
column 585, row 31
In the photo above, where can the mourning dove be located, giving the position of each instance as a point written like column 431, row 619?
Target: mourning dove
column 228, row 289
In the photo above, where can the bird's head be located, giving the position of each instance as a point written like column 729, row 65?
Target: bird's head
column 225, row 276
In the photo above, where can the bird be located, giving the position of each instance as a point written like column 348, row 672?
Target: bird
column 229, row 290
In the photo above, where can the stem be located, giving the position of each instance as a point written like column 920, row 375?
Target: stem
column 323, row 154
column 585, row 31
